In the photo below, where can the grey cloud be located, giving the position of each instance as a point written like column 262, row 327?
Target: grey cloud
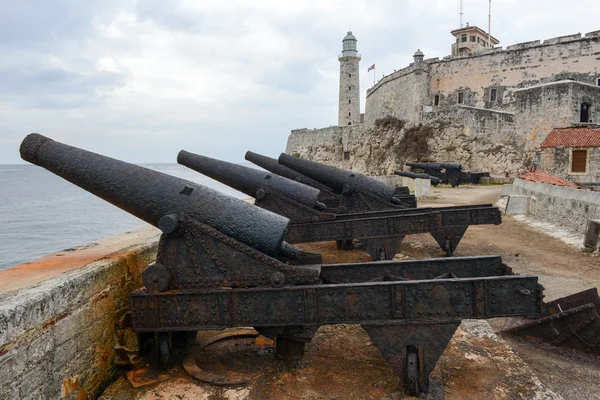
column 54, row 88
column 276, row 69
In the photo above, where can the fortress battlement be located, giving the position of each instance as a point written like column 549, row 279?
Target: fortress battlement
column 490, row 107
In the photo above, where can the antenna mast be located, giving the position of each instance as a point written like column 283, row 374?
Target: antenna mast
column 490, row 25
column 461, row 13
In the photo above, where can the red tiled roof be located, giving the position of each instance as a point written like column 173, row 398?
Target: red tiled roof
column 539, row 176
column 572, row 137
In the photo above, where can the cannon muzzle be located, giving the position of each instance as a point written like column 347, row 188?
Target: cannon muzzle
column 158, row 198
column 338, row 179
column 249, row 180
column 434, row 181
column 271, row 164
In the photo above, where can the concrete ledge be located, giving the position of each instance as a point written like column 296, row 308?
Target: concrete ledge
column 561, row 205
column 393, row 180
column 507, row 190
column 57, row 336
column 517, row 205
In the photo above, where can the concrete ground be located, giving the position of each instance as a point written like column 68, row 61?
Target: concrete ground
column 342, row 363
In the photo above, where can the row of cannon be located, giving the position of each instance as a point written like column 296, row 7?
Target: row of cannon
column 437, row 173
column 223, row 262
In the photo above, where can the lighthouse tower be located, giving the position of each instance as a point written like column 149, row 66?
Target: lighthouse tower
column 349, row 108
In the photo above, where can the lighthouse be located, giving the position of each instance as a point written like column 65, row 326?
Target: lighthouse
column 349, row 107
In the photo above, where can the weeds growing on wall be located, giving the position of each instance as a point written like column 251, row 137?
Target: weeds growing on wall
column 390, row 122
column 414, row 145
column 393, row 143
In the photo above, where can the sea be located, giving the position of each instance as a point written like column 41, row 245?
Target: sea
column 41, row 213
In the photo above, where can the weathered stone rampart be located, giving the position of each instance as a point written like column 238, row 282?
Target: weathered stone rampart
column 541, row 108
column 58, row 336
column 510, row 99
column 477, row 138
column 521, row 65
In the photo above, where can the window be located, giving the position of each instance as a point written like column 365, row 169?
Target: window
column 349, row 87
column 349, row 75
column 436, row 100
column 585, row 113
column 461, row 97
column 463, row 38
column 472, row 39
column 493, row 95
column 346, row 155
column 349, row 123
column 349, row 114
column 598, row 81
column 578, row 161
column 350, row 101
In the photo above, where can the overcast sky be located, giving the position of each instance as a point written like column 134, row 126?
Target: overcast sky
column 141, row 80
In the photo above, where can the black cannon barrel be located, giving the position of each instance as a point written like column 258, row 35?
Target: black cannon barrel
column 337, row 178
column 151, row 195
column 271, row 164
column 249, row 180
column 434, row 166
column 434, row 181
column 451, row 166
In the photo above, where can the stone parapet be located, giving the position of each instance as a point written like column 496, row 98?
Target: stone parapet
column 561, row 205
column 57, row 336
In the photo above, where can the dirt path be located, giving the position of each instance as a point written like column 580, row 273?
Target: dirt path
column 562, row 269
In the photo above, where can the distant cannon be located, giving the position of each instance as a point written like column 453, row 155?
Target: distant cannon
column 331, row 199
column 434, row 181
column 217, row 267
column 448, row 172
column 251, row 181
column 357, row 192
column 380, row 232
column 326, row 195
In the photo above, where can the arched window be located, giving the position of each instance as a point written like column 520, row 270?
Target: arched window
column 598, row 81
column 349, row 123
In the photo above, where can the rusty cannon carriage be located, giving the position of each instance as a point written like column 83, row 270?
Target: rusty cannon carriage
column 380, row 232
column 223, row 263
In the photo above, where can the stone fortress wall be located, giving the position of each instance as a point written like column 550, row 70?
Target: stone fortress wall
column 539, row 85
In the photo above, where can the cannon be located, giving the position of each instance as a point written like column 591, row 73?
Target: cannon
column 326, row 195
column 434, row 181
column 357, row 192
column 218, row 266
column 448, row 172
column 380, row 232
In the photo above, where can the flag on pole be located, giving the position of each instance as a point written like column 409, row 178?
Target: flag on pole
column 371, row 67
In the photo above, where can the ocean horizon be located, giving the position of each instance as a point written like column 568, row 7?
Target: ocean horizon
column 41, row 213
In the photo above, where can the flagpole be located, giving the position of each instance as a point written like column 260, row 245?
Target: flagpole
column 374, row 73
